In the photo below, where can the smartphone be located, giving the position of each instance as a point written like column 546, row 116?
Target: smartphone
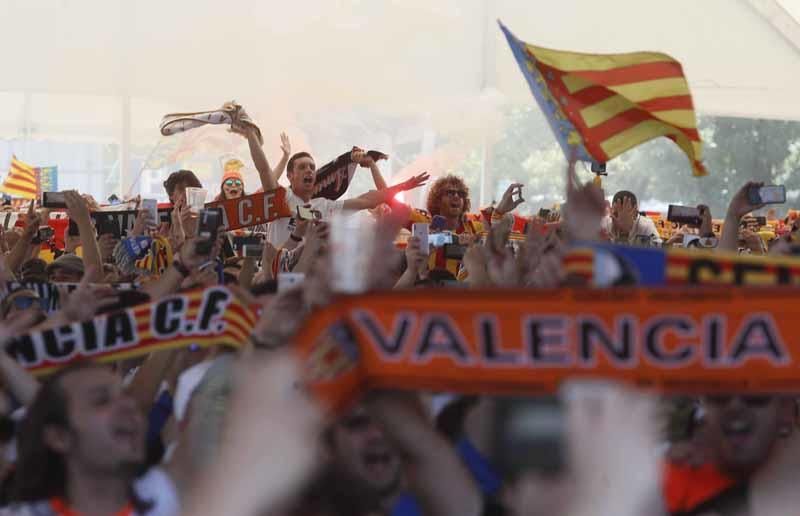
column 774, row 194
column 306, row 213
column 252, row 251
column 761, row 221
column 44, row 234
column 528, row 435
column 287, row 280
column 516, row 194
column 151, row 206
column 53, row 200
column 683, row 215
column 420, row 230
column 440, row 239
column 544, row 213
column 208, row 226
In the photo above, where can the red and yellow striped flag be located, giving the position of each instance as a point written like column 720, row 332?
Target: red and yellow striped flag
column 601, row 105
column 22, row 180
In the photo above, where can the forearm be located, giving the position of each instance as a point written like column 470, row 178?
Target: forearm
column 306, row 260
column 247, row 273
column 280, row 167
column 729, row 240
column 19, row 381
column 145, row 384
column 268, row 179
column 18, row 254
column 407, row 280
column 91, row 251
column 377, row 177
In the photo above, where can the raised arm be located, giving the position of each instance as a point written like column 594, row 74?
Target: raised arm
column 19, row 252
column 374, row 198
column 367, row 161
column 78, row 210
column 286, row 149
column 738, row 208
column 269, row 180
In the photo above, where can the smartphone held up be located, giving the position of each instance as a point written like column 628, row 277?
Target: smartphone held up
column 771, row 194
column 208, row 227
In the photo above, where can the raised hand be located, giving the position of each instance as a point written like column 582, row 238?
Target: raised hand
column 77, row 207
column 413, row 182
column 612, row 434
column 740, row 204
column 286, row 146
column 585, row 207
column 511, row 199
column 85, row 301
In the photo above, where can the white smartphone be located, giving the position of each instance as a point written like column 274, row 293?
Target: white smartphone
column 151, row 206
column 420, row 230
column 287, row 280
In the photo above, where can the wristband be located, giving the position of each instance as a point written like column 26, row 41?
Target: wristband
column 181, row 268
column 295, row 238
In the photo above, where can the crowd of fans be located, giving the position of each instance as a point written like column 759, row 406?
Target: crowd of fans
column 218, row 430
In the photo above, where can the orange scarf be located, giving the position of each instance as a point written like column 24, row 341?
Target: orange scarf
column 525, row 341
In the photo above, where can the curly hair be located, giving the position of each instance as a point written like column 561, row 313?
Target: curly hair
column 437, row 192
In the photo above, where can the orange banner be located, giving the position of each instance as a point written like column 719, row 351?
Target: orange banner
column 525, row 342
column 251, row 210
column 204, row 317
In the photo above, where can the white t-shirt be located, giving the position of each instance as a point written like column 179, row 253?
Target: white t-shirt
column 278, row 231
column 643, row 229
column 154, row 487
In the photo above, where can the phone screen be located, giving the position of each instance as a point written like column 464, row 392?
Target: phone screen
column 683, row 214
column 772, row 194
column 53, row 200
column 207, row 229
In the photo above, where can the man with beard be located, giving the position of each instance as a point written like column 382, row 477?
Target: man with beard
column 449, row 202
column 81, row 447
column 741, row 434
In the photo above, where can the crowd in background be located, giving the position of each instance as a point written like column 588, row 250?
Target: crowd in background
column 220, row 430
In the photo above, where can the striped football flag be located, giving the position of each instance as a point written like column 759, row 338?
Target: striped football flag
column 601, row 105
column 22, row 180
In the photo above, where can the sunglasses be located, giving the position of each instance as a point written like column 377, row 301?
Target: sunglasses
column 453, row 193
column 750, row 401
column 233, row 182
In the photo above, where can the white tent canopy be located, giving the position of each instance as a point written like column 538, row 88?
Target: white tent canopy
column 109, row 69
column 742, row 56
